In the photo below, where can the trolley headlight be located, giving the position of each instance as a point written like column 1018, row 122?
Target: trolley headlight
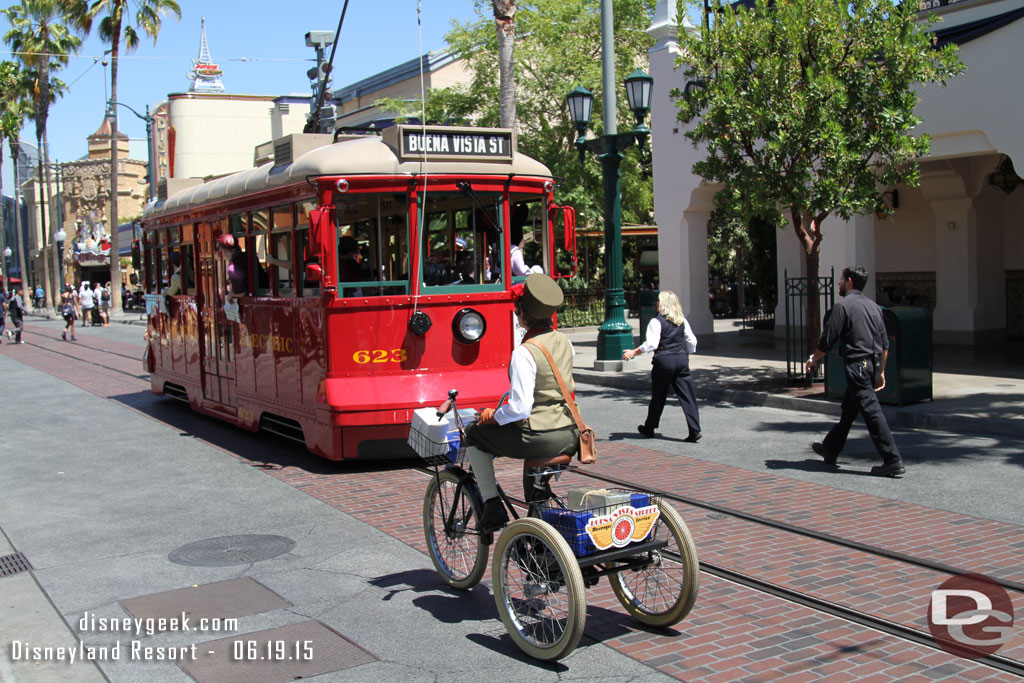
column 468, row 326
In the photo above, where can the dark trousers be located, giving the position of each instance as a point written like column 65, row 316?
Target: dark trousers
column 672, row 371
column 860, row 397
column 18, row 323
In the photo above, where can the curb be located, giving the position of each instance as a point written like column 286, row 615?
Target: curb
column 898, row 417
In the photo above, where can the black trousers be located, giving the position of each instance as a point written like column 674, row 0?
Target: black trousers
column 860, row 397
column 19, row 323
column 672, row 371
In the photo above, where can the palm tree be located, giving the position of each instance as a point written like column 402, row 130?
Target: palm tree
column 42, row 43
column 14, row 107
column 117, row 26
column 505, row 23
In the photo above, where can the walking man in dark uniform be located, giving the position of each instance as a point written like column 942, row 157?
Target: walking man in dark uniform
column 856, row 323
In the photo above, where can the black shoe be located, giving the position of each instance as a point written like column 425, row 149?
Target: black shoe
column 892, row 469
column 646, row 431
column 820, row 449
column 494, row 516
column 694, row 437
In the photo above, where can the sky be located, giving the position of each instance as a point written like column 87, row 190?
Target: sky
column 261, row 49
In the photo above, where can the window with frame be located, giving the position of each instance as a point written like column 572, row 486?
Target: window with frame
column 149, row 249
column 527, row 236
column 188, row 277
column 461, row 243
column 373, row 244
column 259, row 244
column 305, row 251
column 280, row 256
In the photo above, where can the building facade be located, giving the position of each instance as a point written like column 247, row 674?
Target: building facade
column 77, row 201
column 954, row 245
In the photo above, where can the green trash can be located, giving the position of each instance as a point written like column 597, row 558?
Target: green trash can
column 647, row 300
column 908, row 370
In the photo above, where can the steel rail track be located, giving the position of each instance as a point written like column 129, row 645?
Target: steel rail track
column 791, row 595
column 809, row 533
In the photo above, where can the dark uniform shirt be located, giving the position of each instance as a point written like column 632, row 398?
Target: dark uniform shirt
column 856, row 323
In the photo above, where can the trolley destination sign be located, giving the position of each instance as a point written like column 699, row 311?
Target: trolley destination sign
column 448, row 143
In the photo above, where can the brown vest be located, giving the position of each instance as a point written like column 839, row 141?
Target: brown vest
column 549, row 408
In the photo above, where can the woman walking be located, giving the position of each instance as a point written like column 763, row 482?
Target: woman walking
column 670, row 338
column 67, row 310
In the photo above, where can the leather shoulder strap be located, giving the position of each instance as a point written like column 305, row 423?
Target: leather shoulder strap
column 561, row 384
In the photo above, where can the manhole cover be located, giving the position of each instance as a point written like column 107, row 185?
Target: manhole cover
column 716, row 515
column 226, row 551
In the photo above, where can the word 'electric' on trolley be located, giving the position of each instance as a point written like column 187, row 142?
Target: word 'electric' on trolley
column 368, row 275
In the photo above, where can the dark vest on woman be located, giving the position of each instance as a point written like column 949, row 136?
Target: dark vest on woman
column 673, row 338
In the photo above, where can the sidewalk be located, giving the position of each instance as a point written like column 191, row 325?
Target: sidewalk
column 977, row 391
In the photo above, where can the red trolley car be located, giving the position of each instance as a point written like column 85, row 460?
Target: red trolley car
column 376, row 275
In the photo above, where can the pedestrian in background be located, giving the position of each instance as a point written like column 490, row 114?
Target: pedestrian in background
column 3, row 313
column 40, row 296
column 856, row 324
column 16, row 308
column 670, row 338
column 68, row 312
column 88, row 303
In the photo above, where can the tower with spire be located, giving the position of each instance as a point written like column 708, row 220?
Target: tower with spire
column 204, row 73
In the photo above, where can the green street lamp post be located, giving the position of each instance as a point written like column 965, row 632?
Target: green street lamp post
column 615, row 334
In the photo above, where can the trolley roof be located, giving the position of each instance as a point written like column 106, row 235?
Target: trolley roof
column 365, row 155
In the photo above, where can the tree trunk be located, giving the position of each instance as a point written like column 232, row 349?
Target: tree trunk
column 3, row 229
column 51, row 240
column 115, row 261
column 741, row 275
column 22, row 262
column 41, row 204
column 504, row 20
column 808, row 231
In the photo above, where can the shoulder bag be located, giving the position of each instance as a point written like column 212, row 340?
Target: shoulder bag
column 587, row 453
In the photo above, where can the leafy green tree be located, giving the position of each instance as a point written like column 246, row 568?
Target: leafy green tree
column 43, row 42
column 118, row 25
column 557, row 46
column 807, row 107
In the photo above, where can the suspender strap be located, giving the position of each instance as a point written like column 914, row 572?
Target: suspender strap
column 561, row 384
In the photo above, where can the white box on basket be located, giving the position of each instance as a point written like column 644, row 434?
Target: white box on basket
column 589, row 499
column 430, row 435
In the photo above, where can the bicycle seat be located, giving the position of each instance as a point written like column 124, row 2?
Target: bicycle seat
column 555, row 461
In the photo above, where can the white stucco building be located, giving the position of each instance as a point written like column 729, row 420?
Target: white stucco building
column 954, row 245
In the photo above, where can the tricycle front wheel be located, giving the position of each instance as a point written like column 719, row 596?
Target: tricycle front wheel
column 458, row 552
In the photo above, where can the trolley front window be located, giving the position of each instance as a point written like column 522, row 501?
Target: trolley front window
column 461, row 242
column 373, row 244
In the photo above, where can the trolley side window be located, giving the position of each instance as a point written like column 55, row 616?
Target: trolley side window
column 303, row 249
column 149, row 247
column 188, row 276
column 462, row 246
column 373, row 244
column 160, row 275
column 280, row 256
column 260, row 241
column 173, row 245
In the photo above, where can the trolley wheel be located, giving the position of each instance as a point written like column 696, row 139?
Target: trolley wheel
column 460, row 555
column 538, row 588
column 662, row 593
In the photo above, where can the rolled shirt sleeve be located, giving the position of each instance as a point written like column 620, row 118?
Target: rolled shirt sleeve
column 691, row 338
column 523, row 371
column 652, row 338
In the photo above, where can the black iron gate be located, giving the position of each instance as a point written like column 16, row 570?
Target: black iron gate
column 797, row 291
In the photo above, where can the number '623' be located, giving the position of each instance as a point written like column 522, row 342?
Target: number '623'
column 380, row 356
